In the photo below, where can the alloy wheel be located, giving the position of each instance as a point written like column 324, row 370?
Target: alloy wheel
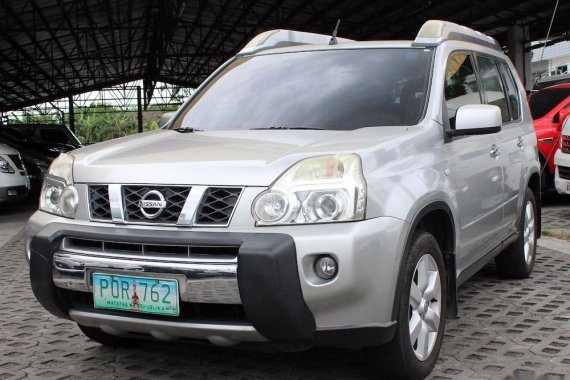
column 425, row 307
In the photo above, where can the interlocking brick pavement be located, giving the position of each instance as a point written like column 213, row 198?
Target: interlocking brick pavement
column 556, row 215
column 507, row 330
column 557, row 220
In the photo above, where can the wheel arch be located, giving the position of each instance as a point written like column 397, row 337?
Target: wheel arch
column 534, row 184
column 437, row 219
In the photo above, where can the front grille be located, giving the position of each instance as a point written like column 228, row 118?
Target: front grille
column 174, row 196
column 217, row 205
column 17, row 160
column 565, row 144
column 215, row 208
column 564, row 172
column 103, row 247
column 99, row 202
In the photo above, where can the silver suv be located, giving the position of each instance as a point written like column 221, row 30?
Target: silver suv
column 313, row 190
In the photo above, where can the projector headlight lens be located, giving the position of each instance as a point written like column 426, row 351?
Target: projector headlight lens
column 315, row 190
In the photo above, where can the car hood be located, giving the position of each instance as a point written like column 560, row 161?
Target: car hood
column 5, row 149
column 239, row 158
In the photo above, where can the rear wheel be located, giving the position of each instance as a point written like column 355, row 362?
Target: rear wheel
column 101, row 337
column 517, row 260
column 413, row 351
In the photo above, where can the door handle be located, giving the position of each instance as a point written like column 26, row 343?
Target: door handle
column 520, row 142
column 495, row 151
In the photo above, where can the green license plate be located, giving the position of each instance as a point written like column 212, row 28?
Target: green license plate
column 140, row 294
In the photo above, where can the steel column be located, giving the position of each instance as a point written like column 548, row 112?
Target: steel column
column 71, row 114
column 139, row 108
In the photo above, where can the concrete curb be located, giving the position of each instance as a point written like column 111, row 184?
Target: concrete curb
column 559, row 245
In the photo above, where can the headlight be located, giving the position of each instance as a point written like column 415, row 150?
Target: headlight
column 5, row 167
column 315, row 190
column 58, row 195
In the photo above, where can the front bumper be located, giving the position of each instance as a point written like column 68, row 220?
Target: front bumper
column 271, row 277
column 13, row 194
column 562, row 184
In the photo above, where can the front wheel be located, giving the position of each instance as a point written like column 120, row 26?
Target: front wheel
column 517, row 260
column 413, row 351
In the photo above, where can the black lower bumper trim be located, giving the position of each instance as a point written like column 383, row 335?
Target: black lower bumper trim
column 41, row 278
column 357, row 337
column 270, row 289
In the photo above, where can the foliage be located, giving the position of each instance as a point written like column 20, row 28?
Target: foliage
column 99, row 123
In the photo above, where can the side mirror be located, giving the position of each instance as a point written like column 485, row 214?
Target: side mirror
column 562, row 116
column 165, row 118
column 476, row 119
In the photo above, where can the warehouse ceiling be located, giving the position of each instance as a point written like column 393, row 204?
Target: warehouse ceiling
column 51, row 49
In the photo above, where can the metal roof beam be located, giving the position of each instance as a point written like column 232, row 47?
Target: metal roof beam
column 203, row 40
column 97, row 86
column 67, row 19
column 31, row 60
column 111, row 25
column 54, row 38
column 93, row 36
column 189, row 33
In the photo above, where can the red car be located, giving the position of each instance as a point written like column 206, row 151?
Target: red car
column 549, row 107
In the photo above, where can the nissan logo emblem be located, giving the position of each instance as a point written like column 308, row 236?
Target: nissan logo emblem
column 152, row 204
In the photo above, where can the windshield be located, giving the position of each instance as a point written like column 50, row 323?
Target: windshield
column 543, row 101
column 333, row 90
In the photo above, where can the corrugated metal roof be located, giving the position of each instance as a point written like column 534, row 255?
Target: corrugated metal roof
column 53, row 48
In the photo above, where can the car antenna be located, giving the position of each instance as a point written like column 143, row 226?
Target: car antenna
column 333, row 40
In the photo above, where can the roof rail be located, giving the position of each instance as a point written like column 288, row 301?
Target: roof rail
column 281, row 38
column 434, row 32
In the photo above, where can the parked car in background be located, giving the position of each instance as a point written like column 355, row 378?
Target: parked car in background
column 562, row 161
column 14, row 182
column 34, row 155
column 49, row 139
column 549, row 107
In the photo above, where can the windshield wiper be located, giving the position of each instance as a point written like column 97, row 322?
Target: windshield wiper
column 287, row 127
column 187, row 130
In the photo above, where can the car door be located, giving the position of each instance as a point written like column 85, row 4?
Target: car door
column 519, row 140
column 500, row 90
column 475, row 170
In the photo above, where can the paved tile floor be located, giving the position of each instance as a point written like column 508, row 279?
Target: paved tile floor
column 507, row 330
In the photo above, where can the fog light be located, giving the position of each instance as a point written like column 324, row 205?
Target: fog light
column 326, row 267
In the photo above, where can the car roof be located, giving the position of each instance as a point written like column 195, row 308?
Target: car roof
column 432, row 33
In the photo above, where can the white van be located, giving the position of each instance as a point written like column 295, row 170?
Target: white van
column 14, row 182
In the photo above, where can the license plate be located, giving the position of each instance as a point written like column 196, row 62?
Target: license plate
column 139, row 294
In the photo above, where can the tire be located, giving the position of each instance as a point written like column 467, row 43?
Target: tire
column 406, row 356
column 517, row 260
column 108, row 340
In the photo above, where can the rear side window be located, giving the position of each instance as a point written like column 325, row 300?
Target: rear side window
column 461, row 86
column 512, row 93
column 492, row 85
